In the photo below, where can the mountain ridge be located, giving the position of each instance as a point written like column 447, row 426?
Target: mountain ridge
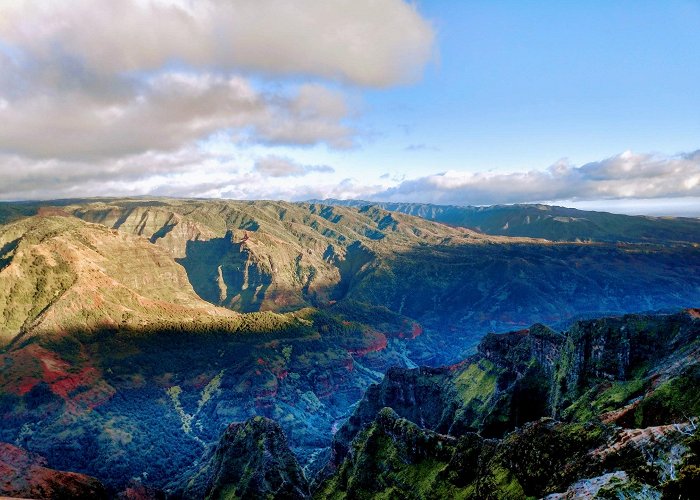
column 89, row 276
column 548, row 221
column 602, row 440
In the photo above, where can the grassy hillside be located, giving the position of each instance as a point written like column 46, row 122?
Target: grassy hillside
column 271, row 255
column 459, row 284
column 60, row 274
column 263, row 255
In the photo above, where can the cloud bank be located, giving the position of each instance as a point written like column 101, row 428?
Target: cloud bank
column 624, row 176
column 89, row 80
column 628, row 181
column 188, row 172
column 364, row 42
column 108, row 98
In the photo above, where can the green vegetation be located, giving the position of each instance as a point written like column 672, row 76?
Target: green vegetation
column 276, row 256
column 210, row 389
column 604, row 397
column 686, row 482
column 478, row 381
column 676, row 400
column 550, row 222
column 251, row 460
column 534, row 456
column 186, row 419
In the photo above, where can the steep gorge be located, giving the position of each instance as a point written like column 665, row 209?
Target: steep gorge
column 458, row 283
column 628, row 416
column 116, row 337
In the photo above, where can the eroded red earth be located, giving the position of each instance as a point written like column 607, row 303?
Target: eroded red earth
column 80, row 386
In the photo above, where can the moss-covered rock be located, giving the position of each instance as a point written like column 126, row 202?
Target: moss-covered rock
column 639, row 372
column 251, row 460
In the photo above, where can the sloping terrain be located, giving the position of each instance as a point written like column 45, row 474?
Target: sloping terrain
column 623, row 391
column 549, row 222
column 119, row 361
column 58, row 273
column 460, row 284
column 277, row 256
column 271, row 255
column 426, row 433
column 251, row 460
column 107, row 348
column 119, row 404
column 24, row 475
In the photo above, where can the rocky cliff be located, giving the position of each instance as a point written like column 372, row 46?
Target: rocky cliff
column 26, row 475
column 623, row 390
column 251, row 460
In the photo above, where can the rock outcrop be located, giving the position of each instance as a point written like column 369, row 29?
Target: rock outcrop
column 26, row 475
column 251, row 460
column 623, row 390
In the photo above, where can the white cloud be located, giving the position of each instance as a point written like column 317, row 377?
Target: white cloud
column 277, row 166
column 165, row 112
column 364, row 42
column 627, row 175
column 632, row 183
column 105, row 80
column 188, row 172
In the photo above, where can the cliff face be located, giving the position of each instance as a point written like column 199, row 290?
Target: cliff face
column 252, row 256
column 618, row 349
column 506, row 384
column 168, row 229
column 26, row 475
column 395, row 458
column 624, row 390
column 420, row 395
column 252, row 460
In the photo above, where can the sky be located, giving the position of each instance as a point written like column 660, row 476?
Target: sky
column 586, row 104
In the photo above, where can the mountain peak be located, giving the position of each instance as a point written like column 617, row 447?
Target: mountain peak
column 251, row 460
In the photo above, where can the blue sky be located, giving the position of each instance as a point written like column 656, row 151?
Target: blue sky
column 474, row 102
column 521, row 84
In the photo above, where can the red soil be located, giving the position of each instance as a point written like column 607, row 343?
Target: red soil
column 25, row 475
column 376, row 342
column 81, row 388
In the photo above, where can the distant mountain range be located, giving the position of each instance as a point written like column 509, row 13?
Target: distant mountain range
column 276, row 256
column 547, row 221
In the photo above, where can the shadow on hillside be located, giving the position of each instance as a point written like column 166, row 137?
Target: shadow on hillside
column 5, row 251
column 222, row 273
column 508, row 286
